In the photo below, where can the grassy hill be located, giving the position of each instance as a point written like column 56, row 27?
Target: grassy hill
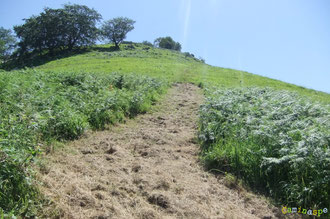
column 276, row 125
column 171, row 65
column 61, row 97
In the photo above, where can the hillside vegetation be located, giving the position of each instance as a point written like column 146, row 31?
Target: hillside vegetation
column 38, row 108
column 269, row 136
column 276, row 141
column 171, row 65
column 273, row 138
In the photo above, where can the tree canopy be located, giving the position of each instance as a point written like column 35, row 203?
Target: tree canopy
column 7, row 41
column 81, row 27
column 73, row 25
column 116, row 29
column 167, row 43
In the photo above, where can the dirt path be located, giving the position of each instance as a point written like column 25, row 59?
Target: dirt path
column 146, row 168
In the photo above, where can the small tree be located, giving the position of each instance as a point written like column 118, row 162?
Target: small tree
column 7, row 42
column 116, row 29
column 147, row 43
column 167, row 43
column 177, row 46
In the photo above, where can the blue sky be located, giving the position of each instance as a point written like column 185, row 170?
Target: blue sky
column 287, row 40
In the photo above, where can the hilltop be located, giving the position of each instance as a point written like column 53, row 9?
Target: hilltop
column 171, row 65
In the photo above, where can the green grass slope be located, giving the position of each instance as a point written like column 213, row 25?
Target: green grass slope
column 60, row 98
column 171, row 65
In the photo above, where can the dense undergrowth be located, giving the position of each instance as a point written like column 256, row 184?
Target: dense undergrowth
column 277, row 141
column 38, row 108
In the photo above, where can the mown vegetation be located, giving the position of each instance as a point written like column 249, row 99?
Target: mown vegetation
column 175, row 66
column 61, row 96
column 277, row 141
column 38, row 108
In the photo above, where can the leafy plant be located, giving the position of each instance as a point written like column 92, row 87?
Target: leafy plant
column 38, row 107
column 275, row 140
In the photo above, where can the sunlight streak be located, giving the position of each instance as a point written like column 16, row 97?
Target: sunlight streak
column 187, row 8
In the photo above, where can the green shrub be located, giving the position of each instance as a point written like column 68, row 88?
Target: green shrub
column 38, row 107
column 147, row 43
column 65, row 124
column 275, row 140
column 16, row 192
column 187, row 54
column 18, row 146
column 106, row 108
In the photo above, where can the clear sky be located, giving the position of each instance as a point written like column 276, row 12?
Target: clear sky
column 287, row 40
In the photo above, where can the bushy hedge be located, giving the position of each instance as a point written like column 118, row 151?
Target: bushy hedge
column 38, row 107
column 275, row 140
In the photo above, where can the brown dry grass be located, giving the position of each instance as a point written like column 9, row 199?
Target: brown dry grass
column 146, row 168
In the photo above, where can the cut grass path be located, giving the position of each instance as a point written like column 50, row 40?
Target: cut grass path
column 146, row 168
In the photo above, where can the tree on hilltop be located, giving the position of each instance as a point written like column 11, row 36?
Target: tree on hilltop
column 81, row 23
column 7, row 42
column 65, row 28
column 167, row 43
column 116, row 29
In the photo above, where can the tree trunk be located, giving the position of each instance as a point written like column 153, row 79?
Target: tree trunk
column 116, row 45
